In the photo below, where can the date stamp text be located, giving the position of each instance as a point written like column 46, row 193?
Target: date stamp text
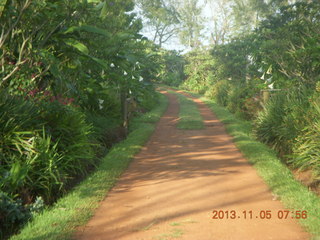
column 262, row 214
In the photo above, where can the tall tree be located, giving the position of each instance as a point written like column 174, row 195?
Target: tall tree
column 190, row 15
column 221, row 21
column 161, row 19
column 248, row 13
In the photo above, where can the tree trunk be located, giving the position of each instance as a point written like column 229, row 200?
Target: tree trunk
column 124, row 109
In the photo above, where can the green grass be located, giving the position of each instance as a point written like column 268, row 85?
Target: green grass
column 75, row 209
column 182, row 222
column 152, row 116
column 189, row 115
column 280, row 179
column 173, row 224
column 174, row 233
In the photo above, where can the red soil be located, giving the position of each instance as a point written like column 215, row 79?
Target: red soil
column 179, row 178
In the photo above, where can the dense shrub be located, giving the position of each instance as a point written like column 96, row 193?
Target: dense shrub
column 220, row 91
column 101, row 124
column 172, row 79
column 172, row 68
column 145, row 99
column 268, row 125
column 19, row 124
column 306, row 153
column 42, row 147
column 67, row 125
column 199, row 70
column 244, row 100
column 281, row 121
column 14, row 214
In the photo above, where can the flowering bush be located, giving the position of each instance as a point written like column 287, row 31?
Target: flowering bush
column 38, row 95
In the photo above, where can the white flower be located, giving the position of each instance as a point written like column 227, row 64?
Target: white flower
column 271, row 85
column 100, row 103
column 269, row 80
column 140, row 79
column 112, row 65
column 125, row 73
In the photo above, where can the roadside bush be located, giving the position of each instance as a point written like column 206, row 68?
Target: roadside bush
column 146, row 99
column 42, row 146
column 194, row 84
column 281, row 121
column 306, row 153
column 34, row 171
column 210, row 92
column 13, row 214
column 45, row 176
column 171, row 79
column 19, row 124
column 101, row 124
column 171, row 68
column 252, row 106
column 243, row 101
column 220, row 92
column 199, row 71
column 67, row 126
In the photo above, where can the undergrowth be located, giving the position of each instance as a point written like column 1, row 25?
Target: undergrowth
column 74, row 209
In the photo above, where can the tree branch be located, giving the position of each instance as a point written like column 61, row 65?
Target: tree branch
column 12, row 72
column 5, row 36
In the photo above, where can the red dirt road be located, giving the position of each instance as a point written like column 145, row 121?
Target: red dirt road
column 175, row 183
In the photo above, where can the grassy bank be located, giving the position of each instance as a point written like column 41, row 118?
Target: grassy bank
column 189, row 115
column 280, row 179
column 75, row 209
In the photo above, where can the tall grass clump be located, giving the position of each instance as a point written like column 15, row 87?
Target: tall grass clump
column 67, row 125
column 220, row 92
column 20, row 143
column 269, row 123
column 243, row 101
column 282, row 120
column 43, row 147
column 306, row 154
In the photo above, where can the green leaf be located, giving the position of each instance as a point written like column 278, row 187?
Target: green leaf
column 96, row 30
column 99, row 6
column 104, row 10
column 2, row 4
column 17, row 174
column 50, row 60
column 124, row 36
column 78, row 45
column 99, row 61
column 88, row 28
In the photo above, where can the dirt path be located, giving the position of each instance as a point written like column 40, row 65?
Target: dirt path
column 173, row 185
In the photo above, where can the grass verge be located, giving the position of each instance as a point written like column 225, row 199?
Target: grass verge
column 75, row 209
column 189, row 115
column 280, row 179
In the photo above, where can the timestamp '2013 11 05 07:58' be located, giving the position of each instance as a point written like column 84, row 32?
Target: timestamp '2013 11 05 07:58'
column 262, row 214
